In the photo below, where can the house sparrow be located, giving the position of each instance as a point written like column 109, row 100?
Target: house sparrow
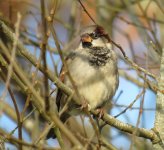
column 93, row 68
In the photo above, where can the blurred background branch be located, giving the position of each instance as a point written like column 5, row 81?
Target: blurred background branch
column 137, row 27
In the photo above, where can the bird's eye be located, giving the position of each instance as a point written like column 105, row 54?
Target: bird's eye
column 94, row 35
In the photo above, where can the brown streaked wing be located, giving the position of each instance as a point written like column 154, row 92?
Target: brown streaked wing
column 60, row 93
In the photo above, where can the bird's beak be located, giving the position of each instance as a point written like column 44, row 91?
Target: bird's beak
column 85, row 38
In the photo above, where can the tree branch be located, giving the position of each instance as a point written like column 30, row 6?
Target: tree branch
column 159, row 119
column 141, row 132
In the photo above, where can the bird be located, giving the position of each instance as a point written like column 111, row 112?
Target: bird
column 92, row 66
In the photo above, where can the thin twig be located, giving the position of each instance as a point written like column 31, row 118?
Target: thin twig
column 129, row 106
column 43, row 50
column 149, row 134
column 18, row 117
column 7, row 137
column 86, row 11
column 13, row 53
column 17, row 112
column 139, row 116
column 24, row 119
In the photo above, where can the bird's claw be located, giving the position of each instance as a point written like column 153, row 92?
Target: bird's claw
column 101, row 112
column 85, row 105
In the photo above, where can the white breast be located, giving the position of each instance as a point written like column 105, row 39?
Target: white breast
column 95, row 85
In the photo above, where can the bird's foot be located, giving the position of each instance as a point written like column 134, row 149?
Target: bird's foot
column 85, row 105
column 101, row 112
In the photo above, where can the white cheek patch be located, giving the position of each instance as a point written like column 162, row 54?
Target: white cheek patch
column 98, row 42
column 108, row 45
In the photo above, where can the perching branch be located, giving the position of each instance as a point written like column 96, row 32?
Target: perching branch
column 141, row 132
